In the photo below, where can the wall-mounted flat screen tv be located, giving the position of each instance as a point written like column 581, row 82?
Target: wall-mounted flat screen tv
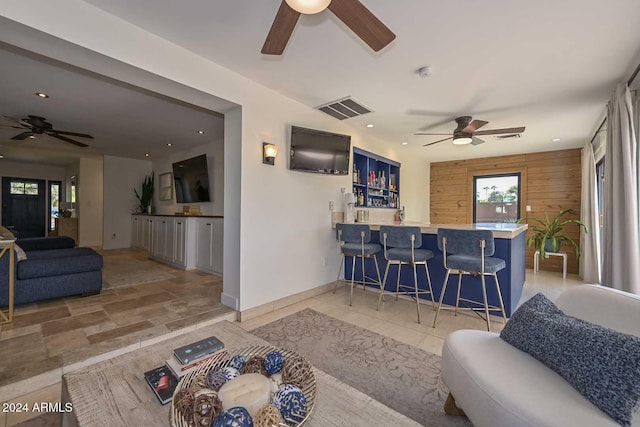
column 191, row 178
column 319, row 152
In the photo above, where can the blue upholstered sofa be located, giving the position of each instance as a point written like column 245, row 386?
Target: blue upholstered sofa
column 54, row 268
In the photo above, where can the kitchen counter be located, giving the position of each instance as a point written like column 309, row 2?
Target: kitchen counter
column 500, row 230
column 510, row 243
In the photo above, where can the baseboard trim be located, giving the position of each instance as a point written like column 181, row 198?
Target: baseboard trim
column 282, row 302
column 230, row 301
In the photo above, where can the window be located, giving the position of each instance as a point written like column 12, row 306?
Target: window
column 600, row 191
column 26, row 188
column 54, row 203
column 496, row 198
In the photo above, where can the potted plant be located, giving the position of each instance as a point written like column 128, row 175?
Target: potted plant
column 547, row 236
column 145, row 197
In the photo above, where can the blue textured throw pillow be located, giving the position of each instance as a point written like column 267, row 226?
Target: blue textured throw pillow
column 600, row 363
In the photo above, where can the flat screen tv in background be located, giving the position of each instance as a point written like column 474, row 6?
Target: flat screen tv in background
column 191, row 178
column 319, row 152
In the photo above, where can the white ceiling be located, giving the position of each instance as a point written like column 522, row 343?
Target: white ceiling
column 124, row 120
column 548, row 65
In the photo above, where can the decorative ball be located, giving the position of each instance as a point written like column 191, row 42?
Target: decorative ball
column 273, row 362
column 205, row 408
column 296, row 371
column 216, row 379
column 268, row 416
column 291, row 402
column 238, row 361
column 254, row 366
column 183, row 402
column 234, row 417
column 230, row 372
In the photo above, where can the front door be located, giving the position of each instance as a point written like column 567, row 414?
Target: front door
column 24, row 206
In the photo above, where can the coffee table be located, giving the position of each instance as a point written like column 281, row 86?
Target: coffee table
column 114, row 392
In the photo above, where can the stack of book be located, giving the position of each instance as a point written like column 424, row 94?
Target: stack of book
column 164, row 379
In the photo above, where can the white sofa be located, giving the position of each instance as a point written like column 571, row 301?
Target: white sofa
column 497, row 385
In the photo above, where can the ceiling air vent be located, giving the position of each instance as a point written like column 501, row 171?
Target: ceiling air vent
column 343, row 108
column 510, row 136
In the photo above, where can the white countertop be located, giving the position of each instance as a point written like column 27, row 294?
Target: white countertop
column 500, row 230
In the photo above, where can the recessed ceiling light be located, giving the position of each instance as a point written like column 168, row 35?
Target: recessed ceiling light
column 147, row 154
column 370, row 125
column 201, row 132
column 169, row 144
column 1, row 156
column 405, row 143
column 32, row 137
column 42, row 94
column 556, row 139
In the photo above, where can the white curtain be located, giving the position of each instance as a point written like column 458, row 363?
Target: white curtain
column 621, row 248
column 589, row 242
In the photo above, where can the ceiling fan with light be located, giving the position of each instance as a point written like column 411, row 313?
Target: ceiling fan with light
column 353, row 13
column 467, row 131
column 36, row 125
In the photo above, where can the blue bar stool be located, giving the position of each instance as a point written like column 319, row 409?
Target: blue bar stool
column 355, row 241
column 402, row 246
column 470, row 252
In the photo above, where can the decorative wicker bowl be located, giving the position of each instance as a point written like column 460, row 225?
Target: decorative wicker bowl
column 196, row 380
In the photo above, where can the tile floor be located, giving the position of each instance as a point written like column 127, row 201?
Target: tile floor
column 398, row 319
column 111, row 318
column 65, row 331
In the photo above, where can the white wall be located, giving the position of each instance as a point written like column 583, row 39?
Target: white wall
column 414, row 189
column 215, row 162
column 281, row 228
column 90, row 202
column 121, row 176
column 16, row 169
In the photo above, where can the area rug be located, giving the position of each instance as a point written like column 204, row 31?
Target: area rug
column 398, row 375
column 125, row 271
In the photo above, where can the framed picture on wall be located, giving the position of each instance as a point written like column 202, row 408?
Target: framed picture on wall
column 166, row 186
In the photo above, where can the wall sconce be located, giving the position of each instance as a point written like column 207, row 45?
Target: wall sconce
column 269, row 153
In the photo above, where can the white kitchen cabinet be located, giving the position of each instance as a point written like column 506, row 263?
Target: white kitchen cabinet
column 136, row 229
column 209, row 236
column 179, row 250
column 147, row 234
column 184, row 242
column 163, row 239
column 217, row 245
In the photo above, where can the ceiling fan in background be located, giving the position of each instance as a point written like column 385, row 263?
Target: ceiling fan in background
column 36, row 125
column 353, row 13
column 467, row 131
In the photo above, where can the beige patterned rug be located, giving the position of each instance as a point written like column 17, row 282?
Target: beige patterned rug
column 400, row 376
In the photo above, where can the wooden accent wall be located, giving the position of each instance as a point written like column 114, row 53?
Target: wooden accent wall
column 550, row 181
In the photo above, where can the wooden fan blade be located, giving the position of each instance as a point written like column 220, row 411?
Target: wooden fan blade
column 281, row 30
column 11, row 127
column 65, row 132
column 23, row 135
column 362, row 22
column 435, row 142
column 69, row 140
column 500, row 131
column 423, row 133
column 476, row 141
column 474, row 126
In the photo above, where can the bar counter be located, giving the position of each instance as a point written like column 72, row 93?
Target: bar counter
column 510, row 245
